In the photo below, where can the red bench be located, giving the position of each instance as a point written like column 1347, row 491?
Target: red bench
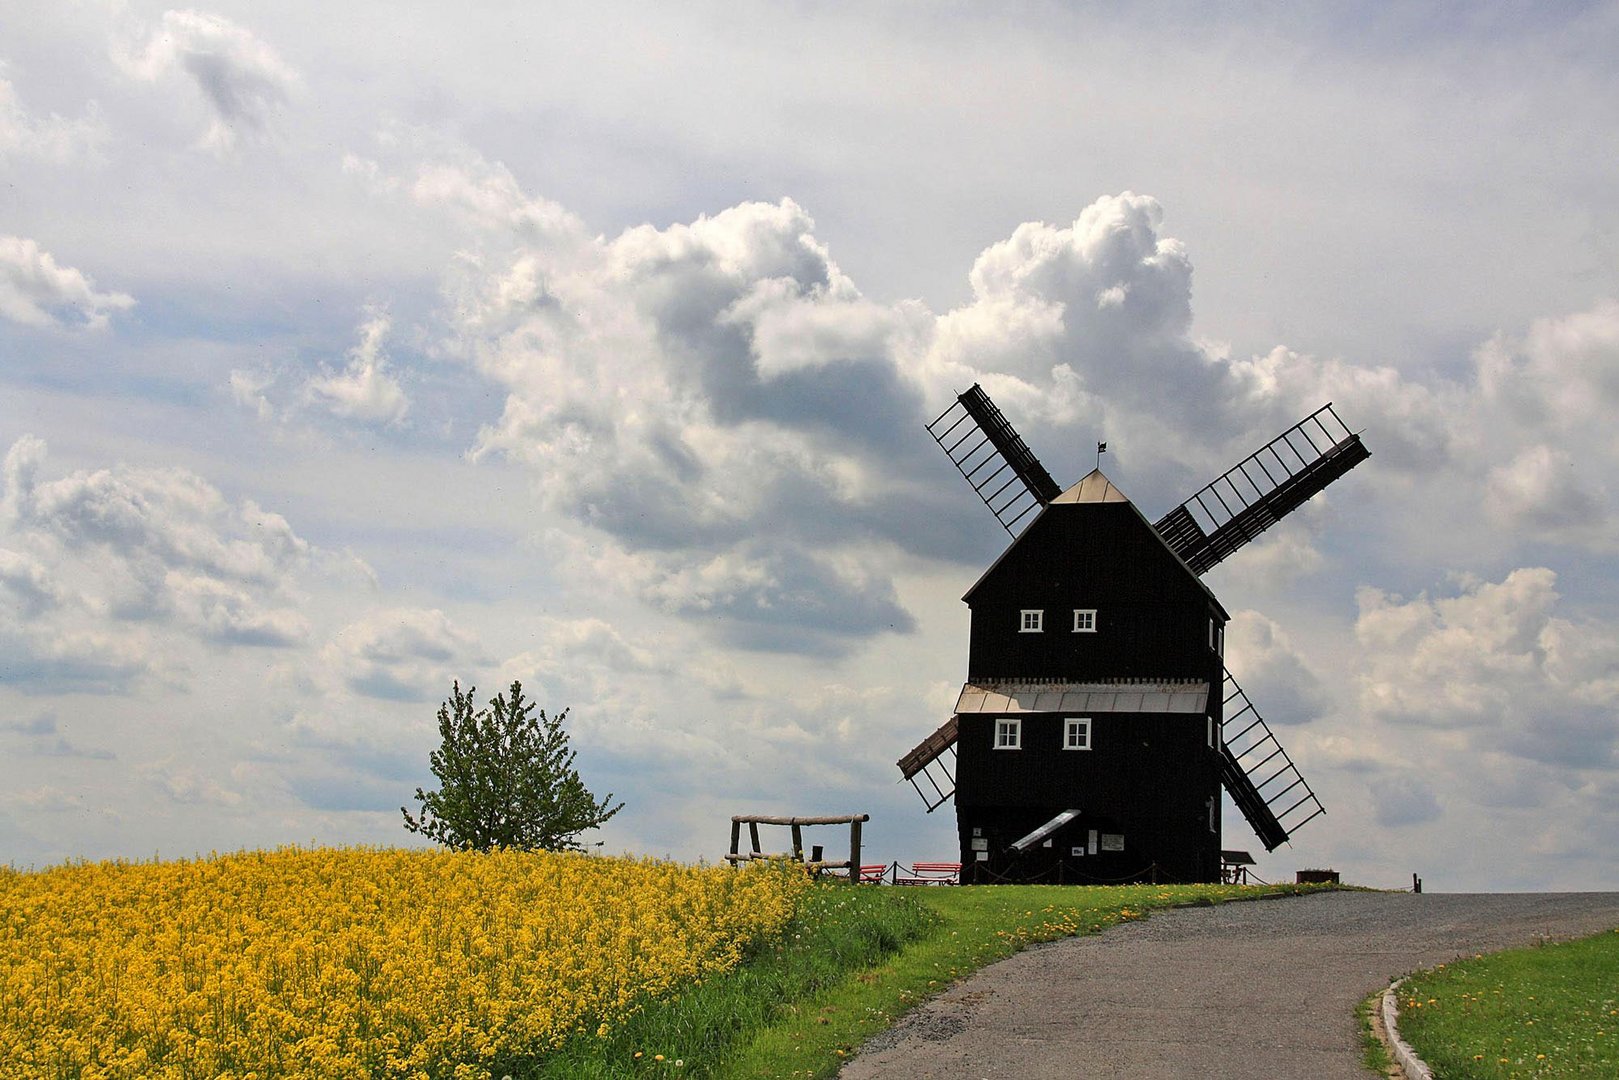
column 873, row 873
column 930, row 873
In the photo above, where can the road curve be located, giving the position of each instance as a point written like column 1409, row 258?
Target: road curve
column 1261, row 989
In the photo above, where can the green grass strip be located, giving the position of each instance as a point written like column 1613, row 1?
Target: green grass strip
column 1373, row 1054
column 1543, row 1011
column 854, row 961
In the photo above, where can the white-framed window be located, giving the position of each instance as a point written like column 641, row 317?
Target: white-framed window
column 1076, row 733
column 1032, row 622
column 1009, row 733
column 1214, row 813
column 1216, row 636
column 1213, row 744
column 1084, row 620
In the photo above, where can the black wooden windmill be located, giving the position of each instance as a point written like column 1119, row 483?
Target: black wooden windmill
column 1098, row 722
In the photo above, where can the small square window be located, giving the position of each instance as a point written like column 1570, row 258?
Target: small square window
column 1084, row 620
column 1009, row 734
column 1077, row 733
column 1033, row 621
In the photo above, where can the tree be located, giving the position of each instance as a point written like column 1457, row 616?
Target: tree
column 506, row 779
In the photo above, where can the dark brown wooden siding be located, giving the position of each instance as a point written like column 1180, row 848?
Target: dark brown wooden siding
column 1152, row 614
column 1148, row 777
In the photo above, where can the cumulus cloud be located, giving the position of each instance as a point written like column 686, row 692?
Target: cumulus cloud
column 247, row 389
column 95, row 563
column 1496, row 663
column 1272, row 672
column 656, row 385
column 36, row 290
column 1105, row 296
column 402, row 654
column 364, row 389
column 720, row 400
column 52, row 139
column 241, row 78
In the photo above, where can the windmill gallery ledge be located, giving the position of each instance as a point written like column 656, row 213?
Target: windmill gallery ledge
column 1098, row 723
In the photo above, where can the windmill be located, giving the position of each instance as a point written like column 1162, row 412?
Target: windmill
column 1098, row 723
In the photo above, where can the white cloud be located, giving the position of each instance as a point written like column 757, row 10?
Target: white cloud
column 1272, row 672
column 242, row 79
column 1540, row 488
column 37, row 291
column 401, row 654
column 1497, row 664
column 52, row 139
column 651, row 387
column 364, row 389
column 96, row 566
column 248, row 388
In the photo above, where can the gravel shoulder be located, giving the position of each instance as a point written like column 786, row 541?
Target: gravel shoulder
column 1261, row 989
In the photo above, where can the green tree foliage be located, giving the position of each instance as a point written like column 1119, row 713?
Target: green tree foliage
column 506, row 779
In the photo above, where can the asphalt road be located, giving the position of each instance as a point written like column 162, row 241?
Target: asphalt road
column 1263, row 989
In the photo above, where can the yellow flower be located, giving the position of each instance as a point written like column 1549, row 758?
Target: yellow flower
column 306, row 963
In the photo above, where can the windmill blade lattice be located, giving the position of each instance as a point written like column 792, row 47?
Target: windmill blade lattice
column 1262, row 489
column 993, row 457
column 1281, row 801
column 927, row 761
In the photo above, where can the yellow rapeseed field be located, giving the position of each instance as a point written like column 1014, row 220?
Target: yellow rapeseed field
column 353, row 962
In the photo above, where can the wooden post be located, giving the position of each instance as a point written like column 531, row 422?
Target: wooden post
column 736, row 838
column 854, row 850
column 753, row 834
column 798, row 841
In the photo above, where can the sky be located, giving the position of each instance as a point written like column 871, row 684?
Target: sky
column 350, row 350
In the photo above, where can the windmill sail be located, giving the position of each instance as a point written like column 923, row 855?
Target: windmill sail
column 927, row 761
column 994, row 458
column 1262, row 489
column 1262, row 780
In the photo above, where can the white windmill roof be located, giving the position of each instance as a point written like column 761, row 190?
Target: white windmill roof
column 1094, row 488
column 1010, row 696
